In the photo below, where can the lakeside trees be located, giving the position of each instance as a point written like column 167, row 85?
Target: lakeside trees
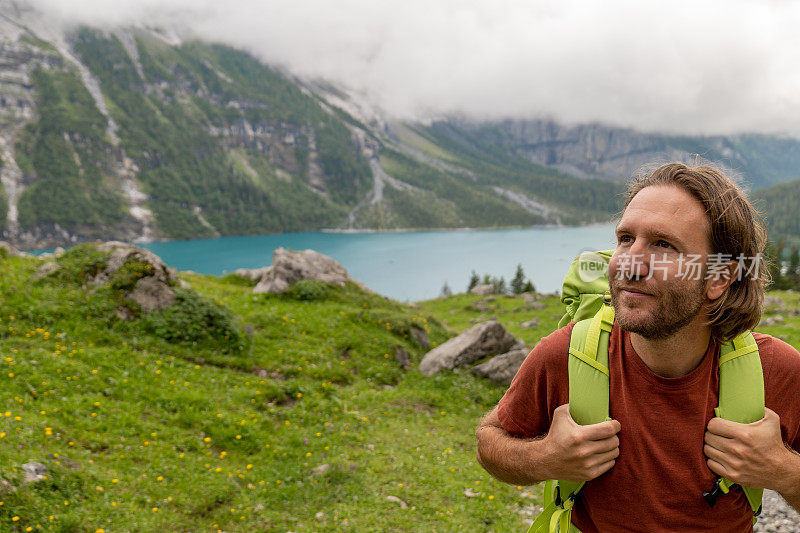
column 518, row 285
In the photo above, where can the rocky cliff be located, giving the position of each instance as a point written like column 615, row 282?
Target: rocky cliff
column 609, row 153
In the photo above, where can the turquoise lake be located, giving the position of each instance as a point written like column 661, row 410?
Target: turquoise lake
column 407, row 266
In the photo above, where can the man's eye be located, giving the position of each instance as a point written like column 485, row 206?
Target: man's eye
column 663, row 244
column 624, row 239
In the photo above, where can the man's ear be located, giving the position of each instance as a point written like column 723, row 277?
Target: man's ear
column 717, row 285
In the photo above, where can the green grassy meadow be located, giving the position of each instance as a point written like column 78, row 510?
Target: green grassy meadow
column 301, row 420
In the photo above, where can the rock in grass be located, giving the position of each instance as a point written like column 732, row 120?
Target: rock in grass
column 530, row 324
column 7, row 250
column 123, row 254
column 45, row 270
column 395, row 499
column 775, row 302
column 320, row 470
column 289, row 267
column 6, row 487
column 483, row 340
column 420, row 337
column 502, row 368
column 253, row 274
column 772, row 320
column 152, row 294
column 140, row 273
column 402, row 357
column 482, row 290
column 34, row 472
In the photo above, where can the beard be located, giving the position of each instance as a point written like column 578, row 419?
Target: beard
column 675, row 307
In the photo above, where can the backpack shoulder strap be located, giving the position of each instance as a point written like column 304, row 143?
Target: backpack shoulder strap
column 741, row 395
column 588, row 404
column 588, row 376
column 588, row 368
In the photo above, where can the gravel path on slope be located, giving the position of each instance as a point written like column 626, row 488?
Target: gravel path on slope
column 777, row 516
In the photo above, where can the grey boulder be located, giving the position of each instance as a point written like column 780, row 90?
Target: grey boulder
column 482, row 290
column 122, row 252
column 482, row 340
column 8, row 250
column 253, row 274
column 152, row 292
column 502, row 368
column 45, row 270
column 34, row 472
column 289, row 267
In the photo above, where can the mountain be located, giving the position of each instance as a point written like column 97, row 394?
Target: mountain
column 131, row 134
column 134, row 134
column 605, row 152
column 780, row 207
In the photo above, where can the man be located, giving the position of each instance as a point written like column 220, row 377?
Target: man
column 650, row 465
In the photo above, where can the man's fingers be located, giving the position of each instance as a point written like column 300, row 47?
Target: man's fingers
column 722, row 427
column 601, row 431
column 604, row 445
column 717, row 468
column 608, row 456
column 602, row 469
column 716, row 441
column 714, row 453
column 729, row 429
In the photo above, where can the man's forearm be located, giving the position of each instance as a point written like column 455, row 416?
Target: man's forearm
column 510, row 459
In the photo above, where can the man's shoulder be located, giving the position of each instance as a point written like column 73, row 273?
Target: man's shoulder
column 548, row 357
column 540, row 385
column 554, row 347
column 777, row 355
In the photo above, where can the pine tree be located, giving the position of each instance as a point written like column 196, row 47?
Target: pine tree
column 473, row 281
column 499, row 285
column 518, row 283
column 446, row 290
column 793, row 275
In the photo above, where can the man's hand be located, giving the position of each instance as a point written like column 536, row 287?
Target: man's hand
column 568, row 451
column 579, row 453
column 753, row 455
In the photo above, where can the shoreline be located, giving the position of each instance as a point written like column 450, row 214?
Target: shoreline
column 463, row 229
column 332, row 231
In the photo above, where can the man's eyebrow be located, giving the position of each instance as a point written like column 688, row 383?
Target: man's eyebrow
column 655, row 234
column 658, row 234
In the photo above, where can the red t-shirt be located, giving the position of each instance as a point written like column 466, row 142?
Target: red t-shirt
column 658, row 480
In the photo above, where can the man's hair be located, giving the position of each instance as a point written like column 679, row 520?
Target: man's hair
column 737, row 230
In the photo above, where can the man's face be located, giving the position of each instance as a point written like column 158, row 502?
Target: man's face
column 654, row 289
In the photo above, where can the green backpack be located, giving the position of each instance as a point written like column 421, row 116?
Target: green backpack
column 585, row 295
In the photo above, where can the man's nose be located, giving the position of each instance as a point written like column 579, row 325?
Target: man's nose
column 639, row 262
column 639, row 268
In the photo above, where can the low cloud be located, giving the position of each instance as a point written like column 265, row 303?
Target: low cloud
column 690, row 67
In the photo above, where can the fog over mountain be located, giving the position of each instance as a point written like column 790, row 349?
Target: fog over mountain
column 699, row 68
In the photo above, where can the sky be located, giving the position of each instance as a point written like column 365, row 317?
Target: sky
column 695, row 67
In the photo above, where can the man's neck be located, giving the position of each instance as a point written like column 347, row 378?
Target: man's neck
column 676, row 355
